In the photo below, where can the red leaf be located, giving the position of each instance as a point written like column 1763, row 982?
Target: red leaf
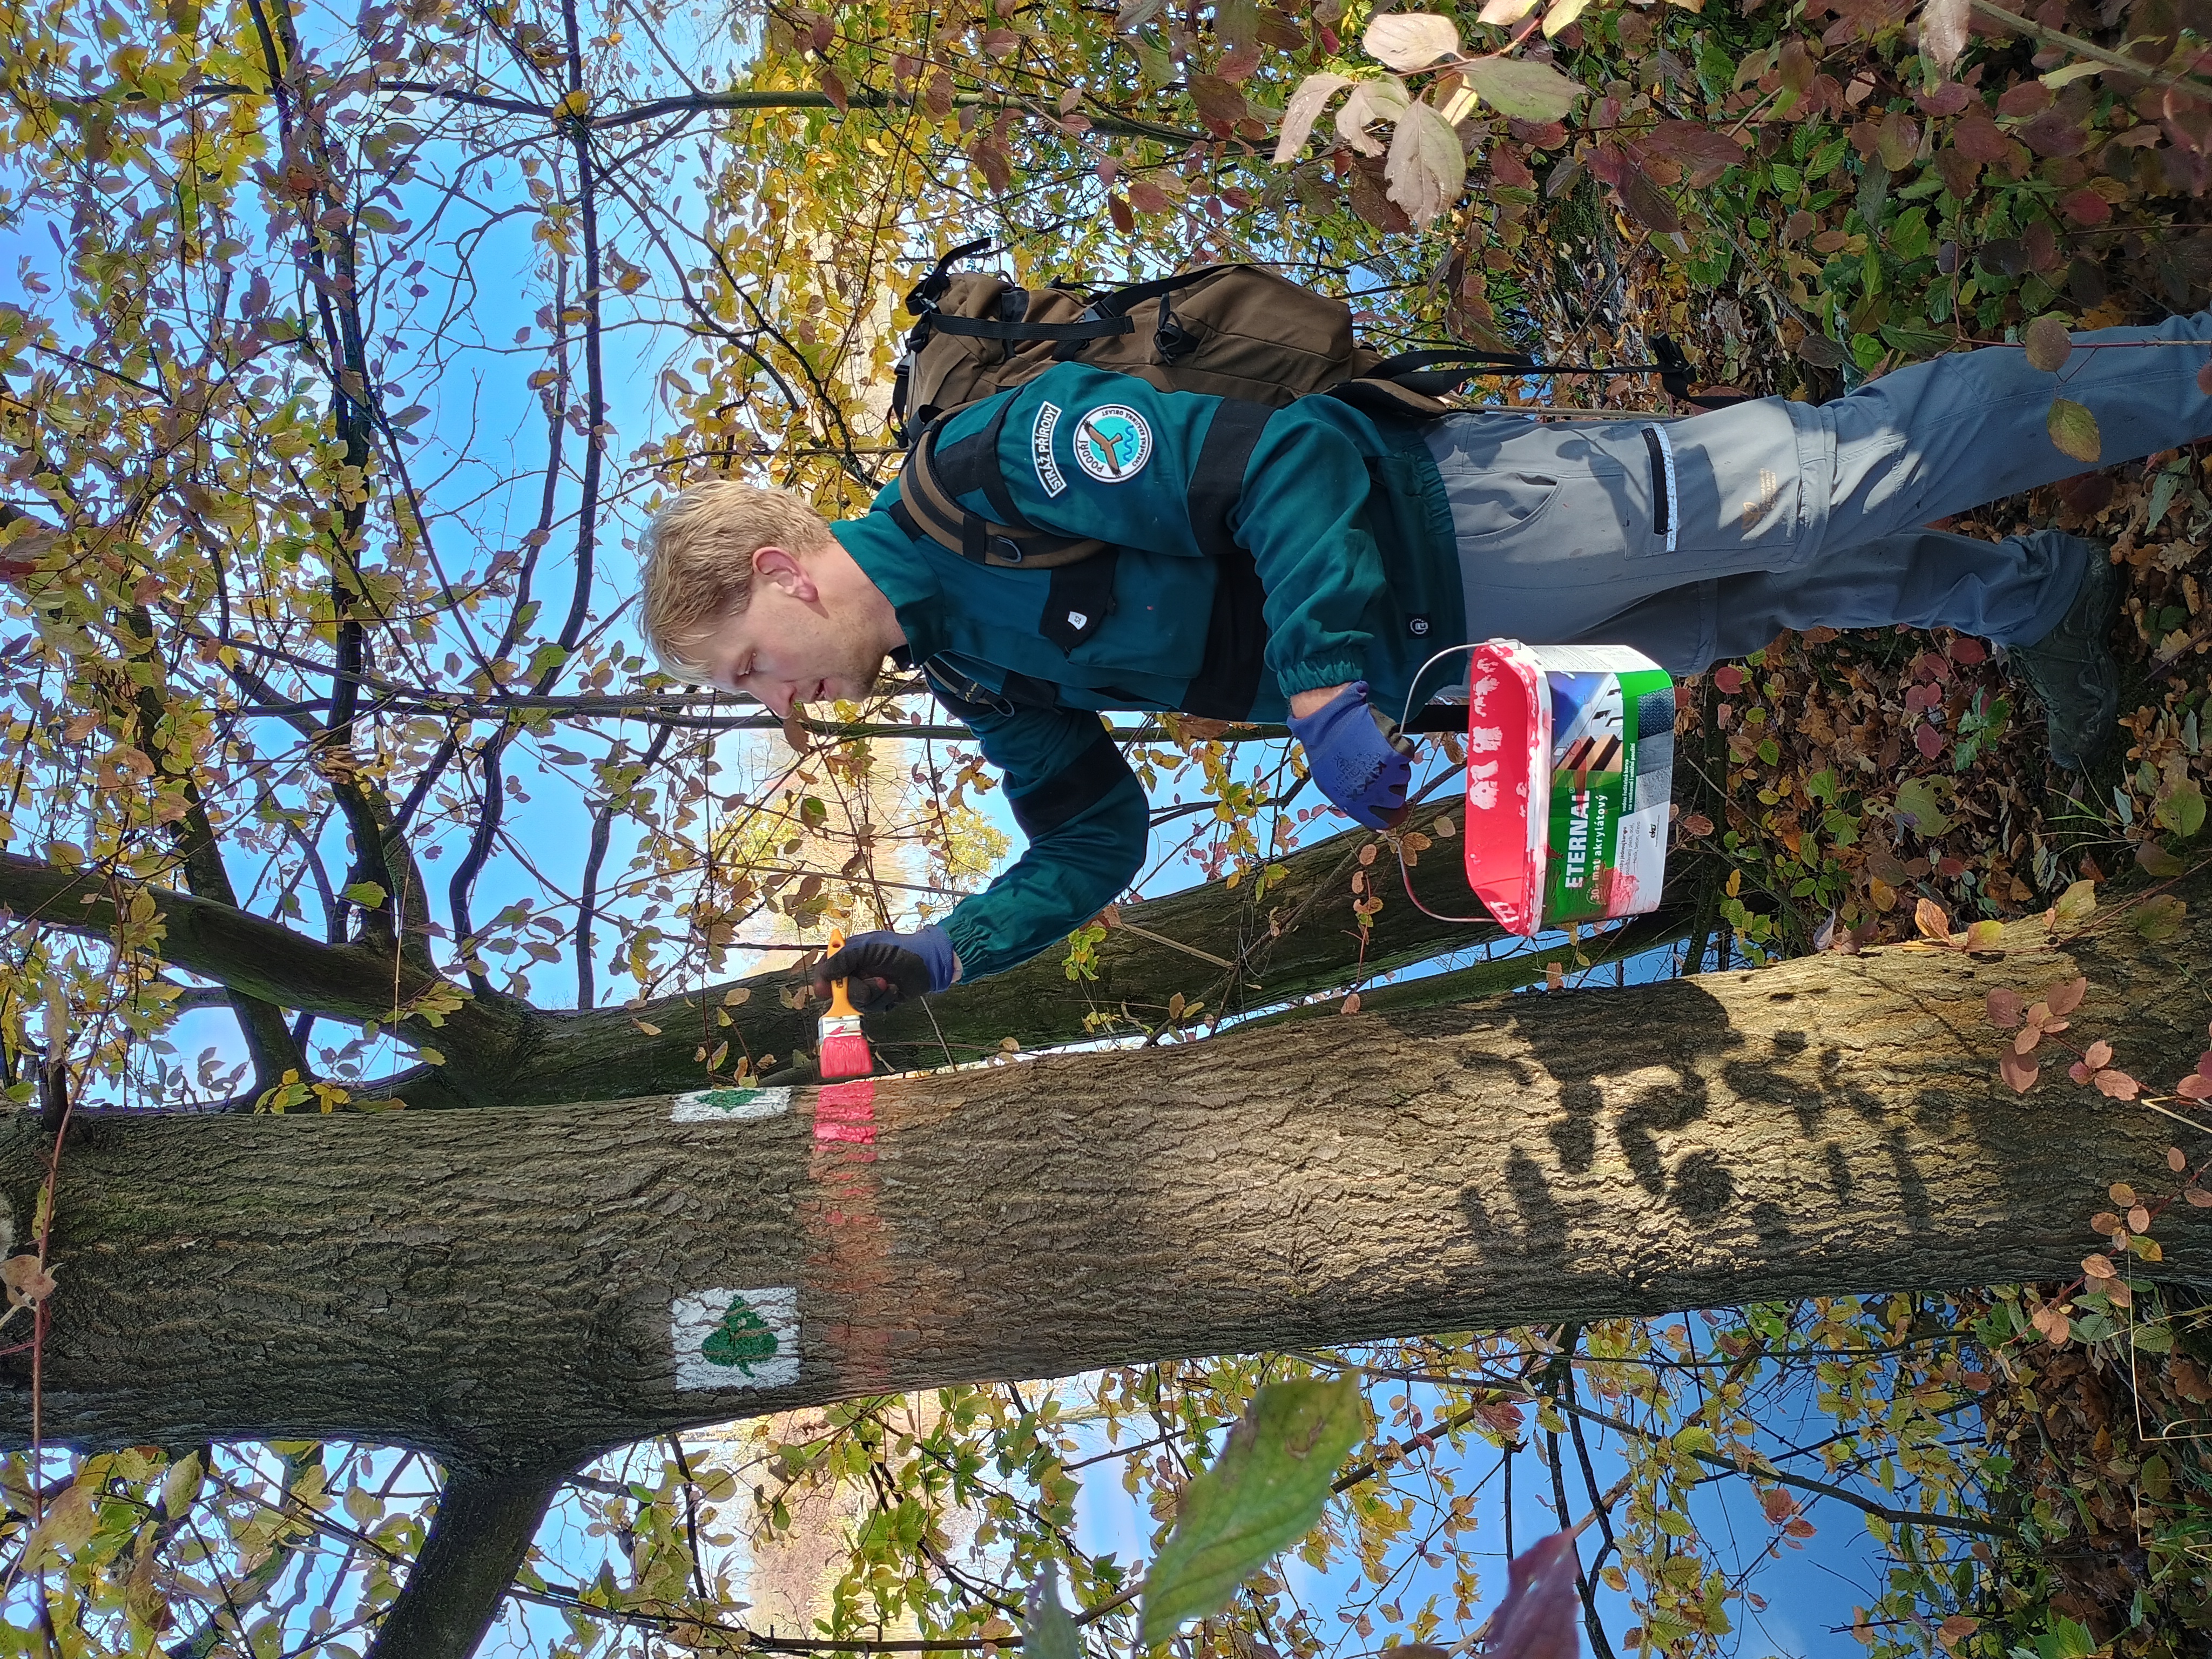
column 1928, row 740
column 1146, row 196
column 1706, row 153
column 2194, row 1087
column 2080, row 1073
column 2098, row 1055
column 2118, row 1084
column 2020, row 1073
column 1947, row 100
column 1538, row 1618
column 1217, row 99
column 1967, row 650
column 2065, row 999
column 1118, row 211
column 2204, row 379
column 2005, row 1008
column 2086, row 492
column 1696, row 825
column 1729, row 679
column 1976, row 137
column 2197, row 1197
column 833, row 89
column 2084, row 207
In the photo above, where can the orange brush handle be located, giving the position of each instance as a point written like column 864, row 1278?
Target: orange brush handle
column 840, row 1005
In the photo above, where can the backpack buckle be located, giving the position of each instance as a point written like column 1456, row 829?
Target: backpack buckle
column 1010, row 549
column 1171, row 339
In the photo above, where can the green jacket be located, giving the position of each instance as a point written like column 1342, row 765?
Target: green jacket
column 1334, row 561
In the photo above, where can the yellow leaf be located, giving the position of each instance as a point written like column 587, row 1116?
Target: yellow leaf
column 2073, row 430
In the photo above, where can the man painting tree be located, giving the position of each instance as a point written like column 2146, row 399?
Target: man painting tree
column 253, row 504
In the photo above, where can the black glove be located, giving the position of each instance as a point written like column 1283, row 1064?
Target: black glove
column 882, row 970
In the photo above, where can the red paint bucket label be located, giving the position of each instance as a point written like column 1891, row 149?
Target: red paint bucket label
column 1569, row 765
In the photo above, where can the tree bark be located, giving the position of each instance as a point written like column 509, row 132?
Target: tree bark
column 521, row 1287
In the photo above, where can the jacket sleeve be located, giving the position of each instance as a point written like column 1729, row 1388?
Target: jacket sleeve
column 1304, row 489
column 1076, row 802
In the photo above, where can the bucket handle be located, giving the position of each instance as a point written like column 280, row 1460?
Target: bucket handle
column 1405, row 721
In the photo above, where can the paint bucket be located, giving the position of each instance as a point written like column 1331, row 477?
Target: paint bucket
column 1569, row 765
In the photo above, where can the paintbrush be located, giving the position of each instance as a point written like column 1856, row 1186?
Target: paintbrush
column 843, row 1048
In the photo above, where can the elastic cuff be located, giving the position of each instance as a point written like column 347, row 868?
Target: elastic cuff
column 1313, row 676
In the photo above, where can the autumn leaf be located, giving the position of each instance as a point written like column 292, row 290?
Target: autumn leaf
column 1704, row 153
column 1411, row 40
column 2073, row 430
column 1943, row 31
column 1539, row 1616
column 1426, row 167
column 1380, row 100
column 27, row 1280
column 2065, row 997
column 1304, row 110
column 2019, row 1074
column 1930, row 918
column 2005, row 1008
column 2049, row 345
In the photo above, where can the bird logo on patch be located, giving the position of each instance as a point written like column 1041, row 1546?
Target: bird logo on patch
column 1112, row 443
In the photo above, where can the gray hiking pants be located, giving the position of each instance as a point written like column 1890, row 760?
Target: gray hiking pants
column 1700, row 540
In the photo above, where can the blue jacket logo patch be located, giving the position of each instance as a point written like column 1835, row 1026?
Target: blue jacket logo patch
column 1112, row 443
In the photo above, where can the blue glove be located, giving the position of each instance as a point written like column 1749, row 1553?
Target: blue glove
column 1356, row 756
column 882, row 970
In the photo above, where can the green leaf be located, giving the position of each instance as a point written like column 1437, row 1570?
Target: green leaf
column 2159, row 918
column 2157, row 862
column 2077, row 903
column 1048, row 1632
column 2073, row 430
column 1519, row 87
column 366, row 894
column 1263, row 1493
column 2183, row 811
column 1920, row 809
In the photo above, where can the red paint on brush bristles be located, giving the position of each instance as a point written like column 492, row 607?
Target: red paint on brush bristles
column 844, row 1049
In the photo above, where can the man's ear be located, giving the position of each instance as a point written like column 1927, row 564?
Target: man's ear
column 787, row 571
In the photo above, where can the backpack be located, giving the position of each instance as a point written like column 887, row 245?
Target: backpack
column 1238, row 332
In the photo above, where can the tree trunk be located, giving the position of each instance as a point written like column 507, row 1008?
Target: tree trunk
column 516, row 1287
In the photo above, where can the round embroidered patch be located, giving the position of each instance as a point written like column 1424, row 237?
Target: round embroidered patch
column 1112, row 443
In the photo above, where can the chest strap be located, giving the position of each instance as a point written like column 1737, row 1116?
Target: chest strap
column 932, row 480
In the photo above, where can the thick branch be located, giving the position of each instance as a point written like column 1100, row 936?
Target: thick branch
column 476, row 1540
column 264, row 959
column 520, row 1288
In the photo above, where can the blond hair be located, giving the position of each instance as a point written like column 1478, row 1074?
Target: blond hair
column 698, row 560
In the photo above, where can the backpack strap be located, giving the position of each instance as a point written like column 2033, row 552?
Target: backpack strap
column 1675, row 375
column 931, row 484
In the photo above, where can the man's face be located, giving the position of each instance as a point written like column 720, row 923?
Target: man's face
column 799, row 639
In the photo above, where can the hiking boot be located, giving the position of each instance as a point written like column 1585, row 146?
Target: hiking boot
column 2072, row 671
